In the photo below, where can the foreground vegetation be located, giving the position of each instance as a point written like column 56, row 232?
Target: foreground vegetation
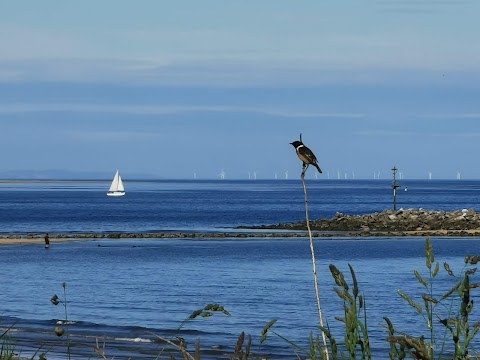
column 448, row 331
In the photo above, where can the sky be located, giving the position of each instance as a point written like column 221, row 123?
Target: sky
column 169, row 89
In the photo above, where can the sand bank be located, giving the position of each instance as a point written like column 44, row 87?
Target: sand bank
column 56, row 238
column 39, row 241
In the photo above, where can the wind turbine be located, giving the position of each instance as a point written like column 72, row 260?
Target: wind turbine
column 286, row 175
column 254, row 175
column 276, row 176
column 459, row 176
column 194, row 175
column 222, row 174
column 429, row 175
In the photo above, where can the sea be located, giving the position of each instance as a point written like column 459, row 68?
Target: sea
column 122, row 298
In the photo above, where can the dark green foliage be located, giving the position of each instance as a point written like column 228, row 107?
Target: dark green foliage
column 208, row 311
column 397, row 351
column 239, row 353
column 265, row 330
column 180, row 344
column 417, row 348
column 332, row 341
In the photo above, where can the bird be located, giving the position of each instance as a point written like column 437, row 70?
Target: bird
column 306, row 155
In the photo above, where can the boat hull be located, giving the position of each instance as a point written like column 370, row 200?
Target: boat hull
column 116, row 193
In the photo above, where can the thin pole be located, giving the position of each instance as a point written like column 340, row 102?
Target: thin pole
column 395, row 186
column 314, row 263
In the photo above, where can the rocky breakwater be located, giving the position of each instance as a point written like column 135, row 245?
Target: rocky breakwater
column 409, row 222
column 415, row 222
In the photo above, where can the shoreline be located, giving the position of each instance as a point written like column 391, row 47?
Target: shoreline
column 12, row 239
column 389, row 223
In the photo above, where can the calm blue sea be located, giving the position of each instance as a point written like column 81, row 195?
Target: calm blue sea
column 127, row 292
column 205, row 205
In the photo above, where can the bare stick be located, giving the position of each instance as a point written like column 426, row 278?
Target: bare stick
column 315, row 277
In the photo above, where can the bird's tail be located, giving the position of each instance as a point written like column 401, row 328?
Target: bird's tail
column 318, row 167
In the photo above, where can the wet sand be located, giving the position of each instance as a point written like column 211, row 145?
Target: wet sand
column 39, row 241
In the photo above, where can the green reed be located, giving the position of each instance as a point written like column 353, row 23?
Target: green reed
column 241, row 352
column 59, row 330
column 356, row 339
column 448, row 313
column 181, row 345
column 447, row 317
column 7, row 349
column 355, row 317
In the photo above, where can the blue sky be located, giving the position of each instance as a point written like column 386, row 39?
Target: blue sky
column 166, row 89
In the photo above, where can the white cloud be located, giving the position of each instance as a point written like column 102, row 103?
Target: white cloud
column 230, row 57
column 169, row 109
column 227, row 73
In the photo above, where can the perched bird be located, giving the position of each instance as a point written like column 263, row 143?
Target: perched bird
column 306, row 155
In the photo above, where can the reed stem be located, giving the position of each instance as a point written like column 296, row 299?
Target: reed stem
column 66, row 318
column 314, row 263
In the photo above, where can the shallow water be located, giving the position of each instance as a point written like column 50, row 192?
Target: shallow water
column 129, row 289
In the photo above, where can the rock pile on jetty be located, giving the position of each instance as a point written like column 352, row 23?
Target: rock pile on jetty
column 403, row 220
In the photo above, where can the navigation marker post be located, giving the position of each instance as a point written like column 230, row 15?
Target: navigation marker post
column 395, row 186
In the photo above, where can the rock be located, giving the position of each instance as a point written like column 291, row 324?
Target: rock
column 401, row 220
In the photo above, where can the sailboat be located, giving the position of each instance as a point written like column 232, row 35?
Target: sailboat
column 116, row 189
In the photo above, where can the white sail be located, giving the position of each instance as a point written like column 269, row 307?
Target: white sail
column 114, row 185
column 120, row 184
column 116, row 189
